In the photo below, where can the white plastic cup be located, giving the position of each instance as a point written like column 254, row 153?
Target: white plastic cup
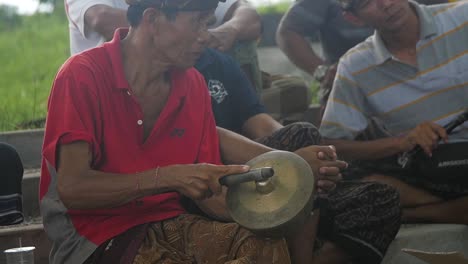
column 21, row 255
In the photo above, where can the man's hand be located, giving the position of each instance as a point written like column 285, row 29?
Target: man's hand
column 196, row 181
column 426, row 135
column 223, row 38
column 324, row 164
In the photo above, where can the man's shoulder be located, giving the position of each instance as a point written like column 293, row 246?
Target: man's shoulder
column 86, row 66
column 90, row 59
column 215, row 62
column 457, row 9
column 363, row 52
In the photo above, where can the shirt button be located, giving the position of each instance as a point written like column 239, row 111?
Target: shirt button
column 128, row 92
column 140, row 122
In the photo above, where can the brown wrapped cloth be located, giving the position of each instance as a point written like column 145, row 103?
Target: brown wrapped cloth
column 191, row 239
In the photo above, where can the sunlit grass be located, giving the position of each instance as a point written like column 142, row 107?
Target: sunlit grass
column 30, row 57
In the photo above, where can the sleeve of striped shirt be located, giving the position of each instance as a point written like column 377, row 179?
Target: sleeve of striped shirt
column 345, row 114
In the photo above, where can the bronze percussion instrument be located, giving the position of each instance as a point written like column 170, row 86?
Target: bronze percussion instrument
column 275, row 197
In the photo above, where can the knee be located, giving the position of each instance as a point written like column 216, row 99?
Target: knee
column 378, row 178
column 306, row 131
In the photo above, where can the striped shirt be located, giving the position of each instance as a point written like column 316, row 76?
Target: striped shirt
column 373, row 84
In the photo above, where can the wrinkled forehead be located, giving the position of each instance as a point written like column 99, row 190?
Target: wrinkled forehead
column 178, row 5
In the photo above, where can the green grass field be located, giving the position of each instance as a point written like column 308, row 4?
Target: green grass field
column 30, row 56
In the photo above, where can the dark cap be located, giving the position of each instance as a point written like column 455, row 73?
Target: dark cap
column 181, row 5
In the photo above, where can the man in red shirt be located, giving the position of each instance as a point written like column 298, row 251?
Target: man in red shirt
column 129, row 130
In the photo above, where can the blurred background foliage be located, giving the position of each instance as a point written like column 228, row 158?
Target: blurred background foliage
column 32, row 48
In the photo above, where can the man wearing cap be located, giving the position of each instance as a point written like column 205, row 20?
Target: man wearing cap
column 410, row 76
column 129, row 132
column 235, row 30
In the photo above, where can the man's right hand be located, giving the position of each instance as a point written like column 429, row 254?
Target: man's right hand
column 325, row 165
column 425, row 135
column 196, row 181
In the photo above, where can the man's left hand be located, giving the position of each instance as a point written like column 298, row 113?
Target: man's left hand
column 325, row 165
column 222, row 38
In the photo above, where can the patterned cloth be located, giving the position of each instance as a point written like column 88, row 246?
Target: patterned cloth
column 190, row 239
column 361, row 217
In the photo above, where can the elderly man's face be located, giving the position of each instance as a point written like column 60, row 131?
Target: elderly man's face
column 182, row 40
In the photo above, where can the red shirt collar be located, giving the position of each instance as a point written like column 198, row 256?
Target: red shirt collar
column 113, row 49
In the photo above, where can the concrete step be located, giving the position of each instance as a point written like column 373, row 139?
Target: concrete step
column 28, row 143
column 26, row 234
column 427, row 237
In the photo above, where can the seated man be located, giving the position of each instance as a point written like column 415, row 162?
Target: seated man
column 11, row 171
column 232, row 152
column 236, row 107
column 323, row 19
column 129, row 131
column 411, row 77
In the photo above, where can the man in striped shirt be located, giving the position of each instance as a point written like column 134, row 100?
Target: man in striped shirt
column 411, row 76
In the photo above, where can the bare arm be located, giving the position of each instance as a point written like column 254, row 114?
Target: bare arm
column 259, row 126
column 365, row 150
column 237, row 149
column 425, row 135
column 244, row 18
column 105, row 20
column 297, row 49
column 241, row 22
column 81, row 187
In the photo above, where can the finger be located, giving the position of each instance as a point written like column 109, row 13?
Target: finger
column 207, row 194
column 441, row 132
column 326, row 185
column 232, row 169
column 329, row 171
column 333, row 177
column 337, row 163
column 214, row 186
column 425, row 141
column 198, row 190
column 329, row 151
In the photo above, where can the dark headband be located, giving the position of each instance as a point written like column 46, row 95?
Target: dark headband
column 180, row 5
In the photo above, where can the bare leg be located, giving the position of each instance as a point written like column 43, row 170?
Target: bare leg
column 452, row 211
column 301, row 244
column 419, row 206
column 409, row 196
column 330, row 253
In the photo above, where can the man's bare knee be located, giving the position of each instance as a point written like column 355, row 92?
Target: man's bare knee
column 380, row 178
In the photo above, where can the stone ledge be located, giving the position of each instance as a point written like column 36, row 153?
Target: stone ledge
column 28, row 143
column 427, row 237
column 31, row 235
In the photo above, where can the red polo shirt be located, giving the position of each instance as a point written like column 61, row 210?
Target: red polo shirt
column 92, row 101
